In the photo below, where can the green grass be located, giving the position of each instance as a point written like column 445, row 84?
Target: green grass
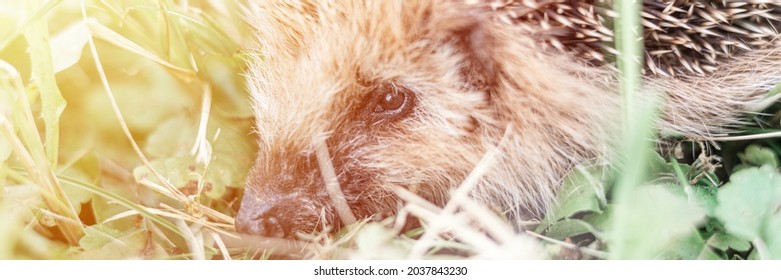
column 125, row 133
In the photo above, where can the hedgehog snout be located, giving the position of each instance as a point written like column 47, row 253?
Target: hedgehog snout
column 257, row 217
column 284, row 195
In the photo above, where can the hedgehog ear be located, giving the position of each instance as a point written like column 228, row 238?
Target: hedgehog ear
column 475, row 40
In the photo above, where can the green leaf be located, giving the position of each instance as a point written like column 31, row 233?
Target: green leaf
column 568, row 228
column 86, row 169
column 749, row 208
column 689, row 247
column 98, row 236
column 658, row 164
column 174, row 136
column 230, row 160
column 601, row 222
column 37, row 35
column 133, row 245
column 757, row 156
column 178, row 170
column 773, row 234
column 724, row 241
column 705, row 196
column 649, row 221
column 68, row 45
column 745, row 203
column 753, row 255
column 583, row 191
column 702, row 195
column 183, row 173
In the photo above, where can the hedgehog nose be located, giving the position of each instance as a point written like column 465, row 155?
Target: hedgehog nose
column 256, row 217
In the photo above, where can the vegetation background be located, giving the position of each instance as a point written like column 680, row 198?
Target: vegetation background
column 126, row 133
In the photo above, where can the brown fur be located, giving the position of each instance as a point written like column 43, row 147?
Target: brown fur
column 474, row 81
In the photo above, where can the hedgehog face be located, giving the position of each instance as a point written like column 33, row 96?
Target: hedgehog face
column 389, row 99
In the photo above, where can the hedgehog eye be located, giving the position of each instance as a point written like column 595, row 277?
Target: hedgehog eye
column 391, row 103
column 391, row 100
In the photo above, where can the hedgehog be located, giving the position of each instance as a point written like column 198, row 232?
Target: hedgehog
column 354, row 99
